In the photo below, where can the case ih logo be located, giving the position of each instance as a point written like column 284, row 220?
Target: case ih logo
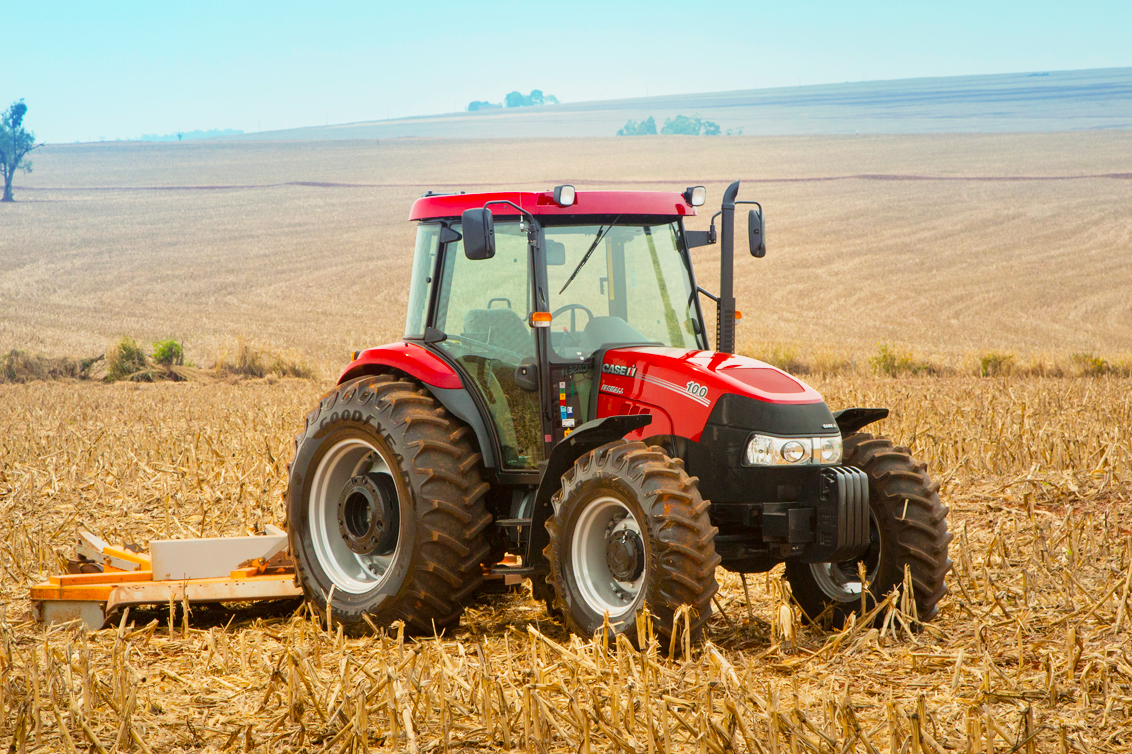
column 621, row 369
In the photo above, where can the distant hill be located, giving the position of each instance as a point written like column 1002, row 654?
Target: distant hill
column 1018, row 102
column 212, row 133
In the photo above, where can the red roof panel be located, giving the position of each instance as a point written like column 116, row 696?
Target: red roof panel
column 588, row 203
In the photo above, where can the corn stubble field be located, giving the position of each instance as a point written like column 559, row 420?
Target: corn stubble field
column 1030, row 652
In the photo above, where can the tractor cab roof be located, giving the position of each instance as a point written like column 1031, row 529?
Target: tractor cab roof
column 652, row 203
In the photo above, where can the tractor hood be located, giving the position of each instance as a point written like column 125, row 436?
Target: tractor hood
column 685, row 391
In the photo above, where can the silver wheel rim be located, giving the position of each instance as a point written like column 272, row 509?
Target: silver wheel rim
column 599, row 589
column 834, row 579
column 833, row 582
column 346, row 569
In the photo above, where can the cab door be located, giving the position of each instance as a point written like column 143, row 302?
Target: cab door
column 483, row 307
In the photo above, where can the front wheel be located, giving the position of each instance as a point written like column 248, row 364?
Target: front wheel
column 385, row 507
column 907, row 528
column 630, row 531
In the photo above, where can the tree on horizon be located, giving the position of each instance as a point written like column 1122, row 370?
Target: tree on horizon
column 15, row 144
column 646, row 127
column 536, row 97
column 695, row 126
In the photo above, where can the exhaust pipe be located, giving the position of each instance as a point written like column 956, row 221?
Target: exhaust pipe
column 725, row 307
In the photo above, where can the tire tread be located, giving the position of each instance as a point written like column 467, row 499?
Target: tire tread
column 443, row 469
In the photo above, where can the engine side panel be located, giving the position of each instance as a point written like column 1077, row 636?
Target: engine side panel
column 661, row 422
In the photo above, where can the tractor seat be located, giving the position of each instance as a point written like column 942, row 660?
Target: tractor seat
column 500, row 327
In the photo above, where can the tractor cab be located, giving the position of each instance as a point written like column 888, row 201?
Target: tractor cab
column 529, row 323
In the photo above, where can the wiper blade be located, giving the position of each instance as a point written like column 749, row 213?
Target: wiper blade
column 601, row 233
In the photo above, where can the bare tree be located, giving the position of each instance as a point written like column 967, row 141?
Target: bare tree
column 15, row 144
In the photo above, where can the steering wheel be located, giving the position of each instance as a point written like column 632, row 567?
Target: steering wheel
column 573, row 317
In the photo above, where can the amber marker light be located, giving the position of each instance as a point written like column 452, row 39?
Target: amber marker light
column 541, row 319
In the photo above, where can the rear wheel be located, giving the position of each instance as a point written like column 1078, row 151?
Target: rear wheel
column 385, row 507
column 630, row 531
column 907, row 527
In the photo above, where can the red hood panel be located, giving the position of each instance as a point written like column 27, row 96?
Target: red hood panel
column 687, row 384
column 766, row 379
column 720, row 372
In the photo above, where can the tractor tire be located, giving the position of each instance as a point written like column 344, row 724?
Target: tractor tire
column 908, row 527
column 630, row 531
column 385, row 507
column 543, row 590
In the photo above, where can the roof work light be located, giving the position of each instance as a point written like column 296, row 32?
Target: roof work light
column 565, row 196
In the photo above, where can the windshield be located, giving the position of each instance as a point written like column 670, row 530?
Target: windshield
column 618, row 284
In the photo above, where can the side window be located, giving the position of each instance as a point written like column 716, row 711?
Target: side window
column 424, row 262
column 500, row 284
column 484, row 309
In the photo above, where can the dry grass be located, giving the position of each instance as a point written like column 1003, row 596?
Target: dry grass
column 899, row 361
column 1028, row 654
column 249, row 361
column 20, row 366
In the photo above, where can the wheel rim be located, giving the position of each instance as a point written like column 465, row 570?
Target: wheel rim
column 842, row 581
column 608, row 531
column 337, row 489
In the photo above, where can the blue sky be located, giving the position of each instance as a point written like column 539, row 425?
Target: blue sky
column 110, row 70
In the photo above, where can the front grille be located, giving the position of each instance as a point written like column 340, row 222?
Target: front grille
column 843, row 512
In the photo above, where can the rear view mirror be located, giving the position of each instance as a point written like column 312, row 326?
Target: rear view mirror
column 756, row 232
column 478, row 227
column 555, row 253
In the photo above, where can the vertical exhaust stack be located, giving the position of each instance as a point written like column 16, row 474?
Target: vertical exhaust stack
column 725, row 308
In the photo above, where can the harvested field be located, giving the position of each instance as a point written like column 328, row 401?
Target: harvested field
column 968, row 250
column 1030, row 652
column 947, row 244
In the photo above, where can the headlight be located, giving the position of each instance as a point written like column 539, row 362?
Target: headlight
column 766, row 450
column 760, row 451
column 792, row 451
column 828, row 449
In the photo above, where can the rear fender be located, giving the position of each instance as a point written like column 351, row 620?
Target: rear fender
column 850, row 420
column 592, row 434
column 413, row 360
column 440, row 379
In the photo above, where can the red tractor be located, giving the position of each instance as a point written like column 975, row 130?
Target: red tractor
column 553, row 413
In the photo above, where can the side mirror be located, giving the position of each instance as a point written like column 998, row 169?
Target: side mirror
column 755, row 231
column 555, row 253
column 479, row 233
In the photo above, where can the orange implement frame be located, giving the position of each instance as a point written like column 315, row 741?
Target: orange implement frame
column 95, row 597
